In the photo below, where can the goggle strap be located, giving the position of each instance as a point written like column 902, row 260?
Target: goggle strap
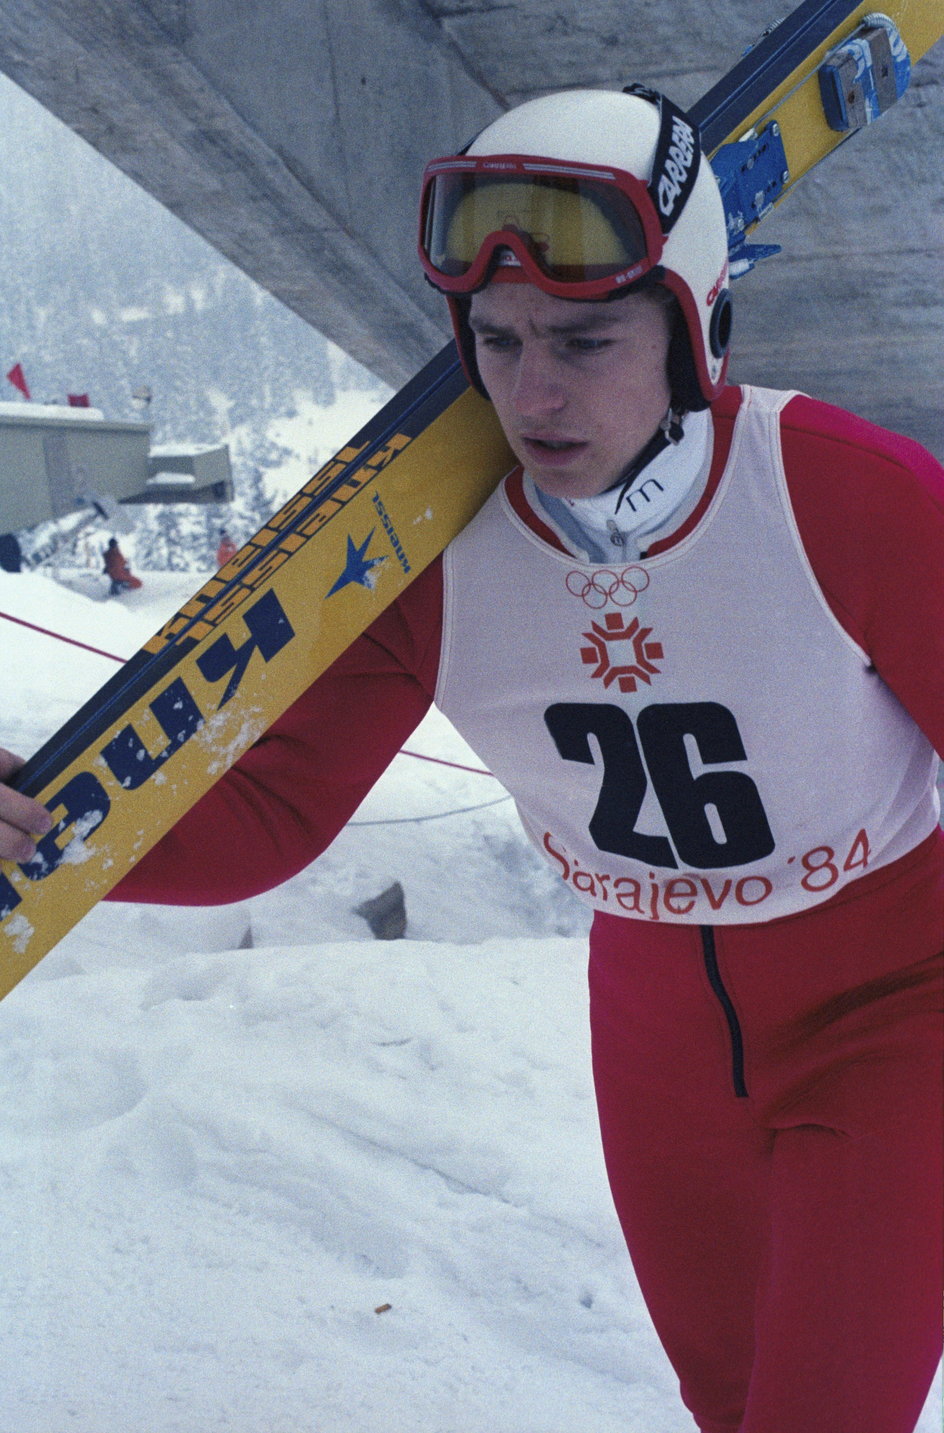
column 677, row 158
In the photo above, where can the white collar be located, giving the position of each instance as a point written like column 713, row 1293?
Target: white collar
column 661, row 490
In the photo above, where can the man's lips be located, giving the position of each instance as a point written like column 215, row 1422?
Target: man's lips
column 550, row 451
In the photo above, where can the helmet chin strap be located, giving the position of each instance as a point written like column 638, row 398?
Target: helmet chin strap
column 668, row 432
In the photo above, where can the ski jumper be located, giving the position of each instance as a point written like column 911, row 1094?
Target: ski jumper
column 726, row 746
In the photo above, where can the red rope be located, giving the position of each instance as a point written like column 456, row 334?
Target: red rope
column 476, row 770
column 60, row 638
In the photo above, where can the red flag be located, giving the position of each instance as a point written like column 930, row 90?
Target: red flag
column 18, row 380
column 78, row 400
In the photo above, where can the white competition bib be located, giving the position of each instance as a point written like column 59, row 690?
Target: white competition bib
column 691, row 737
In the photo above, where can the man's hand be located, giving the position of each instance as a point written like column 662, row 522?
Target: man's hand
column 21, row 818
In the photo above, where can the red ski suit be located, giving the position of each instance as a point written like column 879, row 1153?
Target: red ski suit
column 769, row 1093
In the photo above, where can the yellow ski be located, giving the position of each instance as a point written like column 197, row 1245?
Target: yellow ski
column 124, row 769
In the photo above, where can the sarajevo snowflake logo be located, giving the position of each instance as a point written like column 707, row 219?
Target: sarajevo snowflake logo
column 620, row 652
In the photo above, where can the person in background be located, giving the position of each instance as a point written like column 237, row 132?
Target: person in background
column 11, row 553
column 117, row 570
column 226, row 548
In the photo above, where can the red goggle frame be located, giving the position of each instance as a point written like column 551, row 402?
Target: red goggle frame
column 574, row 230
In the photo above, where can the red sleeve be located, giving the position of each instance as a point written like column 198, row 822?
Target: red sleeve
column 869, row 505
column 292, row 792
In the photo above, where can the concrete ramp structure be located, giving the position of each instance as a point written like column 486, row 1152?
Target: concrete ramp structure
column 292, row 135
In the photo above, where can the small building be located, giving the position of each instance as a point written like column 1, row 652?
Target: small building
column 51, row 457
column 187, row 475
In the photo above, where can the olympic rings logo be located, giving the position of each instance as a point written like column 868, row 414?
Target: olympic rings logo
column 604, row 585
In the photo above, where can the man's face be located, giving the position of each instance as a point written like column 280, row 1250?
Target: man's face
column 579, row 388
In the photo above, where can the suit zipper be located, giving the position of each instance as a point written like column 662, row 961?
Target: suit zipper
column 730, row 1014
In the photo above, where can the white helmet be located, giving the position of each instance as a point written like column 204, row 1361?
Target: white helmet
column 587, row 194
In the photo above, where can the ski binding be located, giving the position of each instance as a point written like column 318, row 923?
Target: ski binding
column 865, row 75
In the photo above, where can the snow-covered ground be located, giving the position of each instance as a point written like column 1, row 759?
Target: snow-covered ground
column 262, row 1173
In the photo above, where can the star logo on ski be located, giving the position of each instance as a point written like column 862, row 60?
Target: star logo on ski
column 358, row 568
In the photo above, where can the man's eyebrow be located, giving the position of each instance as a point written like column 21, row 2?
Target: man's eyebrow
column 582, row 323
column 483, row 325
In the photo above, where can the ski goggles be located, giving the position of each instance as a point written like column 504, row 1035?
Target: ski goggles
column 574, row 230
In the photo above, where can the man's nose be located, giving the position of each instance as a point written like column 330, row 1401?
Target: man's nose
column 537, row 387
